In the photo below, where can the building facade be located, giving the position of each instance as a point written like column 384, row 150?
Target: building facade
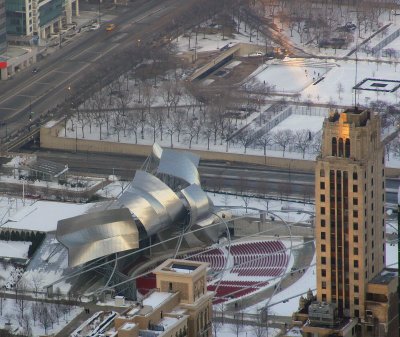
column 350, row 231
column 39, row 18
column 181, row 306
column 3, row 41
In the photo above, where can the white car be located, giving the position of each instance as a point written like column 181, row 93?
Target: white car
column 257, row 53
column 95, row 26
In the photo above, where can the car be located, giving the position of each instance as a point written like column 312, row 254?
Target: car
column 35, row 70
column 110, row 27
column 95, row 26
column 257, row 53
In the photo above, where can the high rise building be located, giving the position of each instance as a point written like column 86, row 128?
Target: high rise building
column 39, row 18
column 356, row 294
column 3, row 42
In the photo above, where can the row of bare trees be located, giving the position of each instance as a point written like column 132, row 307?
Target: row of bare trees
column 29, row 314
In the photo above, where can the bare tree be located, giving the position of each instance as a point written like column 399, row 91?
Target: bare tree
column 283, row 139
column 154, row 122
column 245, row 138
column 264, row 141
column 217, row 323
column 45, row 318
column 316, row 144
column 35, row 311
column 170, row 130
column 302, row 140
column 134, row 123
column 207, row 132
column 20, row 288
column 191, row 130
column 237, row 326
column 178, row 122
column 117, row 124
column 260, row 327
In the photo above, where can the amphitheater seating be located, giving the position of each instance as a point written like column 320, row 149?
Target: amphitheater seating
column 261, row 259
column 258, row 259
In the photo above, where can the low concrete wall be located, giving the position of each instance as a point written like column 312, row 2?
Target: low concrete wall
column 246, row 227
column 50, row 140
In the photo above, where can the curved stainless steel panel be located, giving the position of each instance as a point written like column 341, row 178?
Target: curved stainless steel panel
column 199, row 203
column 153, row 189
column 181, row 165
column 98, row 234
column 157, row 151
column 145, row 211
column 152, row 201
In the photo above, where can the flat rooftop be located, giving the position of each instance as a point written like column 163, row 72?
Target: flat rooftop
column 156, row 299
column 385, row 276
column 183, row 267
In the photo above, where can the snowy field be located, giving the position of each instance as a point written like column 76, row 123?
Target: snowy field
column 300, row 122
column 43, row 215
column 339, row 82
column 14, row 249
column 292, row 75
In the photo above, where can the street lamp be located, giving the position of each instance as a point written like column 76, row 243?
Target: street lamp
column 99, row 18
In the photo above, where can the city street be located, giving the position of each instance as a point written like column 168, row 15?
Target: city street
column 65, row 68
column 215, row 176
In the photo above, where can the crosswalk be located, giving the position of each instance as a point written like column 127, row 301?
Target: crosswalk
column 301, row 62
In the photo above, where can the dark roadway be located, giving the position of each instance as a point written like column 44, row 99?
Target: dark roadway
column 215, row 176
column 71, row 64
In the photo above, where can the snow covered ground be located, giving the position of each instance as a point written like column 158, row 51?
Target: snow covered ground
column 301, row 122
column 231, row 330
column 14, row 249
column 58, row 316
column 43, row 215
column 291, row 75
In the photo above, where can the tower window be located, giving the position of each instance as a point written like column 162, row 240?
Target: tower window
column 334, row 146
column 322, row 235
column 347, row 148
column 322, row 173
column 341, row 150
column 323, row 248
column 322, row 185
column 355, row 188
column 322, row 198
column 355, row 176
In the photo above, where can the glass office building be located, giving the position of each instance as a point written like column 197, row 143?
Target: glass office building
column 16, row 17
